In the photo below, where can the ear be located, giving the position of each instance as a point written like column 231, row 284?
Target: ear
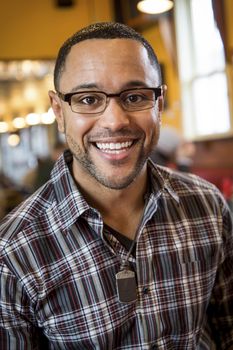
column 57, row 110
column 161, row 98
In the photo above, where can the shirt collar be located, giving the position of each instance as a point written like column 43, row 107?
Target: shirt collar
column 160, row 179
column 70, row 204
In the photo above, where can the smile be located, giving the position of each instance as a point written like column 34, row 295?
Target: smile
column 111, row 147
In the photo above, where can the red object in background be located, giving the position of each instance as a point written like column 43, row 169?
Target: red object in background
column 227, row 188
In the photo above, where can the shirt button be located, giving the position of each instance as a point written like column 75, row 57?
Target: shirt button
column 145, row 290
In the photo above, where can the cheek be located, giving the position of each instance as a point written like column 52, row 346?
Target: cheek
column 78, row 127
column 151, row 127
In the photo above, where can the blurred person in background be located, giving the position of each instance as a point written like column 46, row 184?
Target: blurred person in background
column 173, row 151
column 115, row 251
column 37, row 176
column 11, row 195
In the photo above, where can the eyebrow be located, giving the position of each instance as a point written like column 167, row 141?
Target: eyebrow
column 130, row 84
column 84, row 86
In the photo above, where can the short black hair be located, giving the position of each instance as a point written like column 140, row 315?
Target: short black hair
column 102, row 30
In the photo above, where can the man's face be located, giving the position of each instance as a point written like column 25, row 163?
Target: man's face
column 112, row 147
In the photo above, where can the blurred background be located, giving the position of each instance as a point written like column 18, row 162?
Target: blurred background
column 194, row 43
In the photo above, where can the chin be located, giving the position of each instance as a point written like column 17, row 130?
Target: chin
column 116, row 182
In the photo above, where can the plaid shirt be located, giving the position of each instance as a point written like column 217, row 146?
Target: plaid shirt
column 58, row 270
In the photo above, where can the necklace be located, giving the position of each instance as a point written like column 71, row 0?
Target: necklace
column 126, row 279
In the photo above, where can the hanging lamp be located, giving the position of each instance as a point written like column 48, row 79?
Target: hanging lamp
column 155, row 6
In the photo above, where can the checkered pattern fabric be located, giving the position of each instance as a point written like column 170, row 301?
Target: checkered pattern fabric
column 58, row 267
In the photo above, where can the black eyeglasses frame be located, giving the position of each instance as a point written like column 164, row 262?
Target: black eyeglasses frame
column 67, row 97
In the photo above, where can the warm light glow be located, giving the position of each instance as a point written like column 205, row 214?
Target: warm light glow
column 3, row 127
column 33, row 119
column 30, row 93
column 13, row 140
column 19, row 123
column 154, row 6
column 48, row 117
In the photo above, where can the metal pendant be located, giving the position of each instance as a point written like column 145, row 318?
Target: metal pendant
column 126, row 286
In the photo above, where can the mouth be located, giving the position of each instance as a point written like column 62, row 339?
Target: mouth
column 114, row 147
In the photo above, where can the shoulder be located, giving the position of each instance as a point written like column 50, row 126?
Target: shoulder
column 190, row 187
column 198, row 200
column 39, row 212
column 31, row 213
column 183, row 180
column 190, row 182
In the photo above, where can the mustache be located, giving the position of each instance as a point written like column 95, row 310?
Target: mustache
column 107, row 133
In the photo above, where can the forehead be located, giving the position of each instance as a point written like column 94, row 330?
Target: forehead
column 107, row 59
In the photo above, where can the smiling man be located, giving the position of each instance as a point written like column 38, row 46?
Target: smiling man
column 115, row 252
column 111, row 119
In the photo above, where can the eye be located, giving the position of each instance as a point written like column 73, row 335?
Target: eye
column 87, row 99
column 134, row 98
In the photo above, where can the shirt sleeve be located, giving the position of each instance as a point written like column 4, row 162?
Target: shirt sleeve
column 221, row 306
column 17, row 325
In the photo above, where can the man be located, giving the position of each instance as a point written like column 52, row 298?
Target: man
column 115, row 252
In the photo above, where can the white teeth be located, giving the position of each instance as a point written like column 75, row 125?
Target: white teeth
column 114, row 146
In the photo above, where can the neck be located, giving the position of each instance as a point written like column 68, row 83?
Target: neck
column 120, row 209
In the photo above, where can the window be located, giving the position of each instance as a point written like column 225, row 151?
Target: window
column 201, row 59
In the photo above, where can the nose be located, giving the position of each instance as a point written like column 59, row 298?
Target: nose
column 114, row 116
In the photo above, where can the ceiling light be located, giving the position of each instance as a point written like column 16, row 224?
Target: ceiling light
column 3, row 127
column 19, row 123
column 48, row 117
column 155, row 6
column 13, row 140
column 33, row 119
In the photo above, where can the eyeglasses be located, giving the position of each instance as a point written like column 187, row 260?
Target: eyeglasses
column 94, row 102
